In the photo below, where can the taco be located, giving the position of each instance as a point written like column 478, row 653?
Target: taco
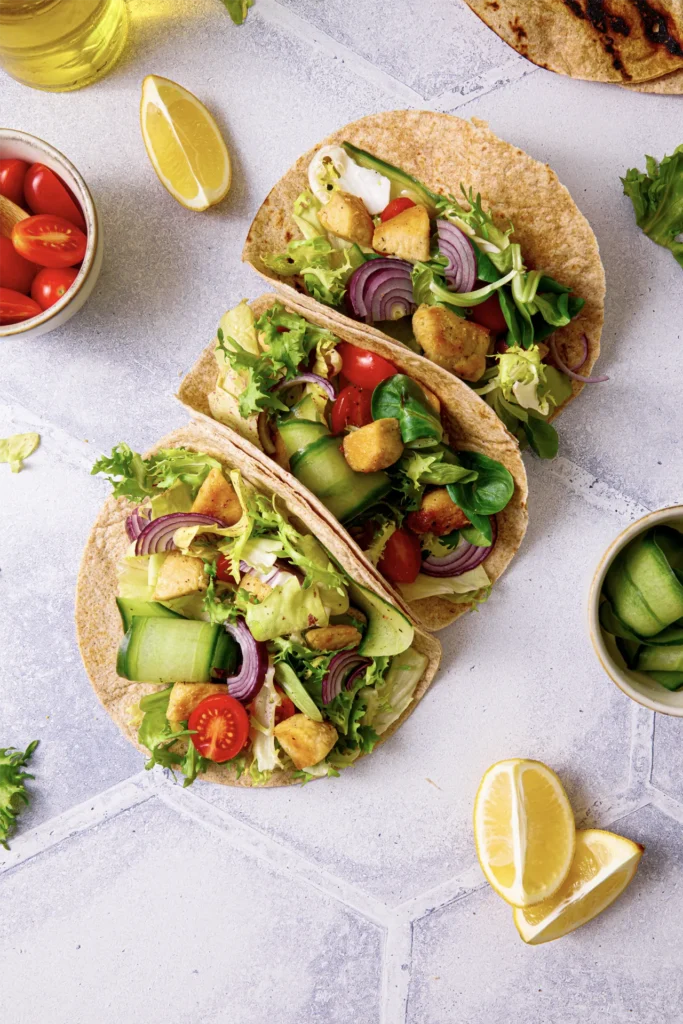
column 229, row 631
column 629, row 41
column 388, row 221
column 399, row 453
column 667, row 85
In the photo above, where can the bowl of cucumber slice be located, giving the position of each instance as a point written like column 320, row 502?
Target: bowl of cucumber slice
column 636, row 611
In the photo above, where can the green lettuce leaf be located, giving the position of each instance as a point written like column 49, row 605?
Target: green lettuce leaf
column 16, row 448
column 13, row 787
column 137, row 478
column 237, row 9
column 657, row 198
column 401, row 398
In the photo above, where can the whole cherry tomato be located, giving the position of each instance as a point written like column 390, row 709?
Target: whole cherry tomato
column 49, row 241
column 402, row 557
column 220, row 726
column 489, row 314
column 46, row 193
column 51, row 283
column 363, row 368
column 15, row 307
column 351, row 408
column 395, row 207
column 15, row 272
column 12, row 174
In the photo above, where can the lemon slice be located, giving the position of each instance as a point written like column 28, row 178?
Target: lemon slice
column 184, row 144
column 524, row 831
column 603, row 866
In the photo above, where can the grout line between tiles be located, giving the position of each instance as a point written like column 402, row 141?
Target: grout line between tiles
column 396, row 971
column 666, row 804
column 495, row 78
column 78, row 819
column 286, row 861
column 642, row 746
column 273, row 12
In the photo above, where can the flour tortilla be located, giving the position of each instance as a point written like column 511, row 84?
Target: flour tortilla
column 442, row 151
column 629, row 41
column 98, row 624
column 471, row 425
column 667, row 85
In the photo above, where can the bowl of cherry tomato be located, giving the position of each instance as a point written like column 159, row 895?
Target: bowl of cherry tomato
column 50, row 239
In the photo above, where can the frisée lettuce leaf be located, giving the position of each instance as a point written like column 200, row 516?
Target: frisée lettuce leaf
column 657, row 198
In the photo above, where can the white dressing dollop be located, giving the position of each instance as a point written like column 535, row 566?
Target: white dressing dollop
column 332, row 165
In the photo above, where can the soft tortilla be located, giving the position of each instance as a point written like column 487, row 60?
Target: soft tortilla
column 98, row 624
column 629, row 41
column 667, row 85
column 471, row 424
column 443, row 151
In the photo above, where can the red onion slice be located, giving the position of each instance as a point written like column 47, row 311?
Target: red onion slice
column 461, row 271
column 561, row 365
column 382, row 289
column 157, row 536
column 248, row 681
column 340, row 664
column 307, row 378
column 137, row 521
column 461, row 559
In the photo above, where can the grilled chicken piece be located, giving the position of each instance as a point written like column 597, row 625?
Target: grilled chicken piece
column 406, row 235
column 375, row 446
column 456, row 344
column 180, row 575
column 216, row 497
column 346, row 216
column 437, row 514
column 306, row 741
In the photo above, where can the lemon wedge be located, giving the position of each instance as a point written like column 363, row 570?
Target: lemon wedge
column 184, row 144
column 524, row 831
column 603, row 866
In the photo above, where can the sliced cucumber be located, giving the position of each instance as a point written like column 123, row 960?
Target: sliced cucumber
column 296, row 691
column 298, row 434
column 322, row 468
column 645, row 592
column 128, row 607
column 396, row 176
column 388, row 632
column 671, row 680
column 661, row 659
column 169, row 650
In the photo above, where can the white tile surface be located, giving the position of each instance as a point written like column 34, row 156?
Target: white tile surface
column 317, row 887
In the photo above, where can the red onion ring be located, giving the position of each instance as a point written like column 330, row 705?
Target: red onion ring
column 337, row 669
column 382, row 289
column 137, row 521
column 249, row 679
column 157, row 536
column 463, row 558
column 561, row 365
column 461, row 270
column 307, row 378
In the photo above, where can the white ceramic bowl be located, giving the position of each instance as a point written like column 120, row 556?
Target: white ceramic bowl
column 27, row 147
column 635, row 685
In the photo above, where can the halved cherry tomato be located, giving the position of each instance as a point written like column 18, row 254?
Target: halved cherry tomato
column 285, row 709
column 395, row 207
column 224, row 569
column 351, row 408
column 47, row 193
column 51, row 283
column 402, row 557
column 12, row 174
column 220, row 726
column 363, row 368
column 489, row 314
column 15, row 272
column 15, row 307
column 49, row 241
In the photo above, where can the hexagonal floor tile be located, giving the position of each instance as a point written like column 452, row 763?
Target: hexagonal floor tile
column 468, row 954
column 153, row 918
